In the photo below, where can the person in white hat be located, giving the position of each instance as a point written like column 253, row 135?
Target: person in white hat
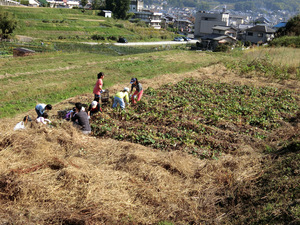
column 119, row 98
column 94, row 108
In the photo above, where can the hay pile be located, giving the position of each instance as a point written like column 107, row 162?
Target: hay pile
column 59, row 176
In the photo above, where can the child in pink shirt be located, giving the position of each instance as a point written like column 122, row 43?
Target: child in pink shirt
column 98, row 87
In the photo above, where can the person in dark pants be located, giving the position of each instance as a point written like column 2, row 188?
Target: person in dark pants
column 98, row 87
column 41, row 108
column 80, row 119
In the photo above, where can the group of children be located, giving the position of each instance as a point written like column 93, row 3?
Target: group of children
column 79, row 116
column 122, row 97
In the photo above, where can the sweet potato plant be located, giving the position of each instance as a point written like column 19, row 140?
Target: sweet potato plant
column 201, row 117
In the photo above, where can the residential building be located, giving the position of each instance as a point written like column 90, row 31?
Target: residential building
column 63, row 4
column 183, row 25
column 279, row 25
column 212, row 41
column 258, row 34
column 225, row 30
column 136, row 5
column 106, row 13
column 205, row 21
column 236, row 20
column 34, row 3
column 153, row 19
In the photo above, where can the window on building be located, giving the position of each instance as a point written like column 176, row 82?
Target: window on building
column 250, row 33
column 260, row 35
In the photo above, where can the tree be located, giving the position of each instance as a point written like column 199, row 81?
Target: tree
column 119, row 8
column 7, row 24
column 97, row 4
column 292, row 27
column 83, row 2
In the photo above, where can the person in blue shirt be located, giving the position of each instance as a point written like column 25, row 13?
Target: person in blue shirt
column 41, row 108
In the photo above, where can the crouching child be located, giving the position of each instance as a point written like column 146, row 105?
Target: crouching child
column 80, row 119
column 119, row 98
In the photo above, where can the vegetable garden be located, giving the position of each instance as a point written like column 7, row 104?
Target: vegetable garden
column 201, row 117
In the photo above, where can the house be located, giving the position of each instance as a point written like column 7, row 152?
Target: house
column 136, row 5
column 258, row 34
column 205, row 21
column 225, row 30
column 236, row 20
column 33, row 3
column 182, row 25
column 262, row 20
column 106, row 13
column 153, row 19
column 279, row 25
column 22, row 52
column 63, row 4
column 211, row 41
column 170, row 18
column 10, row 2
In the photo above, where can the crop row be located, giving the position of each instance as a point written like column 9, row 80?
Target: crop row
column 199, row 117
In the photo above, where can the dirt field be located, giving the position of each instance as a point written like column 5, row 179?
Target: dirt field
column 59, row 176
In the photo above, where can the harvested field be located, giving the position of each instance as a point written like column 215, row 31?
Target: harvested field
column 59, row 176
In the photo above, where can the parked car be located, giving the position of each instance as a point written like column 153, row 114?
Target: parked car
column 186, row 38
column 178, row 39
column 122, row 40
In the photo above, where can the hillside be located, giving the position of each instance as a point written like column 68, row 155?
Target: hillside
column 58, row 176
column 73, row 25
column 289, row 5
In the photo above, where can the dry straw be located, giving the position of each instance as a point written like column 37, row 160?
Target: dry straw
column 59, row 176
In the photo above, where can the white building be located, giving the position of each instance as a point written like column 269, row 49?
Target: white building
column 151, row 18
column 34, row 3
column 63, row 4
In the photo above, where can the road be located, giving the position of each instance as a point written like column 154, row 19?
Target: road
column 146, row 43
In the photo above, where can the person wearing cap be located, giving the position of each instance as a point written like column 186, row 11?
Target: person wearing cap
column 119, row 98
column 138, row 90
column 94, row 108
column 41, row 108
column 98, row 87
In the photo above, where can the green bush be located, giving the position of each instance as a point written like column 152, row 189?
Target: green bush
column 113, row 38
column 25, row 2
column 286, row 41
column 247, row 43
column 222, row 48
column 119, row 25
column 97, row 37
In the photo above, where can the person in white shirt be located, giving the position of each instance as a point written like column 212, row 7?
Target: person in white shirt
column 43, row 119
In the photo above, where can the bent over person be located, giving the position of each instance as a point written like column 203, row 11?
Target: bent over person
column 119, row 98
column 41, row 108
column 138, row 90
column 80, row 119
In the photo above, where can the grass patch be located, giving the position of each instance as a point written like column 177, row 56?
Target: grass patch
column 74, row 24
column 51, row 77
column 277, row 63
